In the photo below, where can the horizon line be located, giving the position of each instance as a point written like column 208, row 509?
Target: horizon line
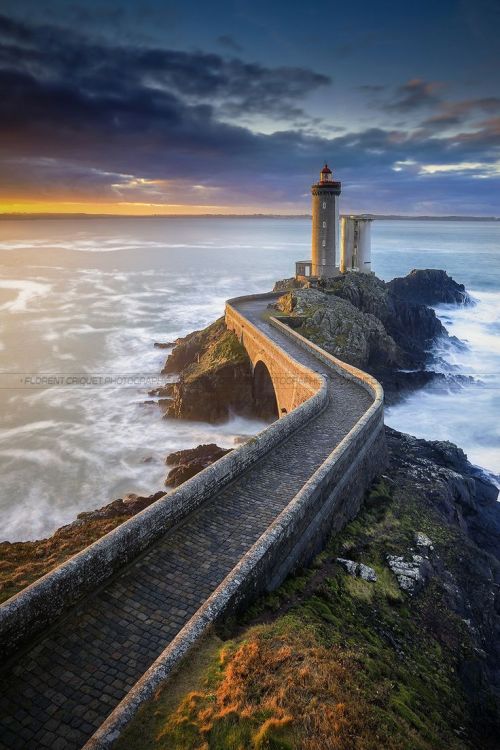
column 33, row 215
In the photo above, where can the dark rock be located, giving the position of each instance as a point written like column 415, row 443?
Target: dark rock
column 215, row 376
column 167, row 345
column 414, row 327
column 126, row 506
column 466, row 496
column 429, row 287
column 363, row 321
column 189, row 462
column 205, row 451
column 436, row 484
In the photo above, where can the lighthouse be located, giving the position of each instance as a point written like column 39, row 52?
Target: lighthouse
column 330, row 254
column 325, row 225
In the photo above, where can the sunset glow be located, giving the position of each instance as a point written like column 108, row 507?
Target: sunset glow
column 138, row 111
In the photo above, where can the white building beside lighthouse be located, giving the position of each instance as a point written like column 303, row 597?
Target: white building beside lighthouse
column 355, row 244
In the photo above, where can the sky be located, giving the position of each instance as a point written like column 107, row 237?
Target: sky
column 161, row 106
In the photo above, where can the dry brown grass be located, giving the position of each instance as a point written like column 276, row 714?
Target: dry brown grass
column 21, row 563
column 277, row 691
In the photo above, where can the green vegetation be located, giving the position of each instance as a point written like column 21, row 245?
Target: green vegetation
column 221, row 348
column 328, row 661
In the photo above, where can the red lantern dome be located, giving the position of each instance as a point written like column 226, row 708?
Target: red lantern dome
column 326, row 174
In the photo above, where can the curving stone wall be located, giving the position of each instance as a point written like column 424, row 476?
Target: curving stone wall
column 293, row 383
column 327, row 501
column 329, row 498
column 38, row 605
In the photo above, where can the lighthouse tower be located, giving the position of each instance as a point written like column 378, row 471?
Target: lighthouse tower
column 325, row 225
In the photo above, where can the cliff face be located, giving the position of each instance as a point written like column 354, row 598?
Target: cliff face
column 395, row 646
column 364, row 321
column 215, row 376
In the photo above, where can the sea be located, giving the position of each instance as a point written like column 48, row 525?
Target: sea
column 82, row 302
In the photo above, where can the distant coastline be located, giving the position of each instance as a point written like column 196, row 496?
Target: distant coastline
column 384, row 217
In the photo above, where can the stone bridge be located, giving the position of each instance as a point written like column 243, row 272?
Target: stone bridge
column 84, row 646
column 281, row 382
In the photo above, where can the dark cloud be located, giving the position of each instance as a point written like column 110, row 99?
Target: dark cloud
column 232, row 85
column 456, row 113
column 414, row 94
column 82, row 118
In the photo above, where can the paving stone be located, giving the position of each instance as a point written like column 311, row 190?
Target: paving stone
column 87, row 662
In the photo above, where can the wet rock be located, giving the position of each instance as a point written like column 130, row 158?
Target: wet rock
column 166, row 345
column 187, row 463
column 429, row 287
column 163, row 391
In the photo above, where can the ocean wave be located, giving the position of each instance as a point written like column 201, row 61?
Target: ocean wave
column 28, row 290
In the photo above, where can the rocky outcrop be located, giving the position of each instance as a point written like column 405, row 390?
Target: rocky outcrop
column 457, row 556
column 360, row 319
column 410, row 570
column 339, row 327
column 284, row 285
column 189, row 462
column 463, row 494
column 395, row 624
column 215, row 376
column 429, row 287
column 413, row 326
column 128, row 505
column 358, row 569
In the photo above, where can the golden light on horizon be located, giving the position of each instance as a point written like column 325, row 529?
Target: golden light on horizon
column 126, row 208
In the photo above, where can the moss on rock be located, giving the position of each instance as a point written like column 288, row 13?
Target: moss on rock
column 332, row 661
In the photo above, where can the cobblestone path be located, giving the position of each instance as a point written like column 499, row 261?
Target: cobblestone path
column 56, row 693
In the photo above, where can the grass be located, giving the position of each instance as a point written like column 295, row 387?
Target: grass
column 22, row 563
column 222, row 351
column 327, row 661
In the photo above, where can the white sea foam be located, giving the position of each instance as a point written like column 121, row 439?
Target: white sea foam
column 99, row 310
column 27, row 291
column 468, row 416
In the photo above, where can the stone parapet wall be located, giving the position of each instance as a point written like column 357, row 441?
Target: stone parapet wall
column 330, row 498
column 37, row 606
column 293, row 382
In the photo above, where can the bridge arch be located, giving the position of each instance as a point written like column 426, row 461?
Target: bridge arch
column 264, row 393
